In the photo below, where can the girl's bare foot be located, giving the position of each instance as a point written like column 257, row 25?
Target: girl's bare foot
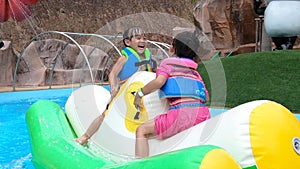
column 82, row 140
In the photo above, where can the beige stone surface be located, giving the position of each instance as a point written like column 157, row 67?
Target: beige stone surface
column 7, row 64
column 224, row 26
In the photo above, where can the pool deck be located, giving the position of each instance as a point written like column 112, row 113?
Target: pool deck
column 25, row 88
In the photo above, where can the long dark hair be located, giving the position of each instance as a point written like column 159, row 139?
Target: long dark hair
column 186, row 45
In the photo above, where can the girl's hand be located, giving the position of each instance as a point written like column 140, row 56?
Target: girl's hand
column 137, row 101
column 113, row 91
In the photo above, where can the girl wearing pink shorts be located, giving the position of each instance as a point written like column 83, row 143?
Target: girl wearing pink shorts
column 180, row 83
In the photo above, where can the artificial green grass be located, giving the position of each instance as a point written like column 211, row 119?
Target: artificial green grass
column 255, row 76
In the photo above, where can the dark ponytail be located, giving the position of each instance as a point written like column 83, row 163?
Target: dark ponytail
column 186, row 45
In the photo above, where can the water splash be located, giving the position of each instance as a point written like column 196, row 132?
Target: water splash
column 21, row 163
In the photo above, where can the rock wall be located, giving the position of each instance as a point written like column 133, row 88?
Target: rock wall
column 227, row 23
column 84, row 16
column 7, row 64
column 226, row 26
column 54, row 62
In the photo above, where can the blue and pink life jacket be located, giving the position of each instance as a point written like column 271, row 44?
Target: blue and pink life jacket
column 182, row 84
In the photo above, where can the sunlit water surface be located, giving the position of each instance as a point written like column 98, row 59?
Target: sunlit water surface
column 15, row 150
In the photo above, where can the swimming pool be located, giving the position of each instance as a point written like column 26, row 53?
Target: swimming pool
column 15, row 150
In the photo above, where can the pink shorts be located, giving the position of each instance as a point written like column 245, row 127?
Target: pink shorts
column 177, row 120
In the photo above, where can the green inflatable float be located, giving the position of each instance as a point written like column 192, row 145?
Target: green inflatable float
column 53, row 146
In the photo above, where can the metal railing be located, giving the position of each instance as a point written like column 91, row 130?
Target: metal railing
column 69, row 35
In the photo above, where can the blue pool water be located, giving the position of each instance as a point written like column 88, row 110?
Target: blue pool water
column 15, row 150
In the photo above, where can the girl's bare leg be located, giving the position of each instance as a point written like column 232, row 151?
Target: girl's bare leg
column 94, row 126
column 143, row 132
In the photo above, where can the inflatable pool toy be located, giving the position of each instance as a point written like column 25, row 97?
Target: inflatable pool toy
column 82, row 107
column 249, row 135
column 281, row 18
column 53, row 146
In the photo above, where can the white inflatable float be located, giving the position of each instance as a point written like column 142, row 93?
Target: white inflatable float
column 117, row 133
column 260, row 134
column 282, row 18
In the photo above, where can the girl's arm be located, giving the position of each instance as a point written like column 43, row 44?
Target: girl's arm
column 113, row 80
column 153, row 85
